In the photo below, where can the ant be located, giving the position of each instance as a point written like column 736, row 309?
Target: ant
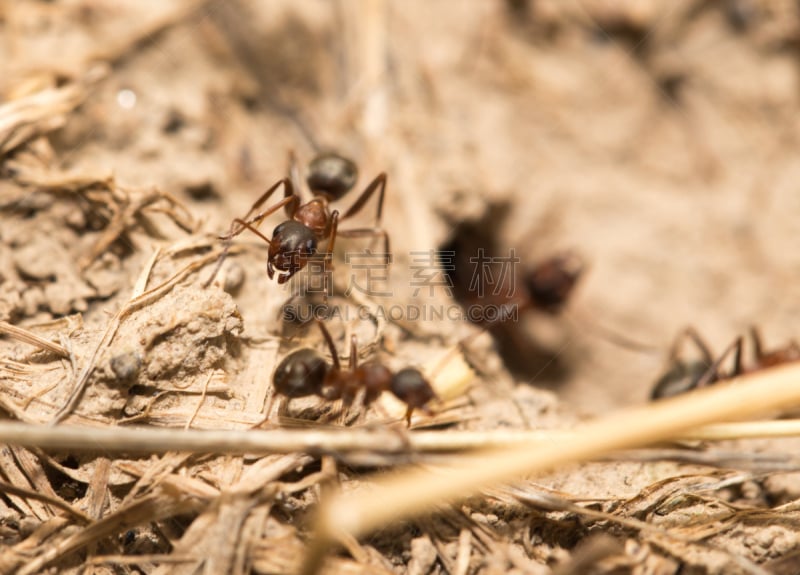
column 550, row 283
column 294, row 242
column 683, row 376
column 305, row 372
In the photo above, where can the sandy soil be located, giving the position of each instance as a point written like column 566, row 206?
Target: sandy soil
column 655, row 139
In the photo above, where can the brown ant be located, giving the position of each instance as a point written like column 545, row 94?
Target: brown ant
column 294, row 242
column 480, row 274
column 550, row 283
column 305, row 372
column 683, row 376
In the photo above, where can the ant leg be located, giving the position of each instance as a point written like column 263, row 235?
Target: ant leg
column 243, row 226
column 291, row 202
column 353, row 363
column 267, row 409
column 712, row 373
column 332, row 236
column 328, row 258
column 289, row 196
column 348, row 386
column 409, row 412
column 282, row 405
column 249, row 226
column 294, row 174
column 256, row 221
column 758, row 350
column 691, row 333
column 737, row 357
column 379, row 183
column 371, row 233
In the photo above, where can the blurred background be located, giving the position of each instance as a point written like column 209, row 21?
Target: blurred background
column 657, row 139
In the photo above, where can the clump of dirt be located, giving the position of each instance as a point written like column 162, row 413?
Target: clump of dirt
column 183, row 334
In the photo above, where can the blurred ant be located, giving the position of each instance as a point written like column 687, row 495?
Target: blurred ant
column 550, row 283
column 683, row 376
column 305, row 372
column 294, row 242
column 546, row 288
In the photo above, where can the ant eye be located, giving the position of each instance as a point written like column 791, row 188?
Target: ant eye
column 332, row 175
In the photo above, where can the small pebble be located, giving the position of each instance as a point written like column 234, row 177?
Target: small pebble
column 234, row 277
column 126, row 365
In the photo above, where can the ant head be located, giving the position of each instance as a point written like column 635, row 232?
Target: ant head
column 292, row 245
column 410, row 386
column 551, row 282
column 301, row 373
column 331, row 175
column 681, row 377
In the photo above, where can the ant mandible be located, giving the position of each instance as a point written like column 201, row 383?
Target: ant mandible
column 683, row 376
column 294, row 242
column 305, row 372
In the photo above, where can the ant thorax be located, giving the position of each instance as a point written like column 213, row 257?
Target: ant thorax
column 316, row 216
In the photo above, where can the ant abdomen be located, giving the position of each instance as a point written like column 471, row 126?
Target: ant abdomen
column 300, row 374
column 332, row 175
column 411, row 387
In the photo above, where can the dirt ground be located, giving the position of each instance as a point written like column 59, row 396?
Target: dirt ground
column 654, row 139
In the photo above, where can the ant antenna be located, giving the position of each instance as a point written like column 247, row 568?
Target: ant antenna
column 611, row 335
column 331, row 346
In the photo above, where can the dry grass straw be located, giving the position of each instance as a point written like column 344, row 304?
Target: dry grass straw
column 409, row 493
column 31, row 338
column 35, row 114
column 501, row 456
